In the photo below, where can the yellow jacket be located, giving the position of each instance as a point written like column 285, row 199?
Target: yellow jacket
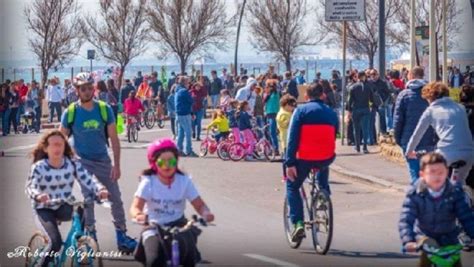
column 222, row 124
column 283, row 122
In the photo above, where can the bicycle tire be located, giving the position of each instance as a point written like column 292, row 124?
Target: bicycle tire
column 86, row 244
column 36, row 237
column 237, row 152
column 322, row 203
column 149, row 119
column 268, row 151
column 135, row 134
column 223, row 151
column 141, row 120
column 129, row 133
column 203, row 149
column 288, row 225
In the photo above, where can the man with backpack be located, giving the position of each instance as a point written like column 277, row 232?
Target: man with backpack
column 90, row 124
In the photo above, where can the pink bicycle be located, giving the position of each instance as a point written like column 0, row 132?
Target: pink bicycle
column 263, row 148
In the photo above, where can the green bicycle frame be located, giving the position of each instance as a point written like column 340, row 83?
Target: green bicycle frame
column 446, row 256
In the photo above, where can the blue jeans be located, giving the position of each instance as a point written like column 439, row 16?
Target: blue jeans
column 21, row 111
column 413, row 166
column 37, row 122
column 260, row 124
column 271, row 118
column 6, row 121
column 361, row 123
column 215, row 101
column 52, row 107
column 185, row 131
column 197, row 123
column 382, row 120
column 292, row 188
column 389, row 116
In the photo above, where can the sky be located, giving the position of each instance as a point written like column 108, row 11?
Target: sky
column 14, row 49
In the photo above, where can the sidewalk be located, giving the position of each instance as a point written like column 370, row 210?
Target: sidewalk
column 372, row 168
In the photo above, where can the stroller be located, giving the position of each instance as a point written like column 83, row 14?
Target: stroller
column 27, row 122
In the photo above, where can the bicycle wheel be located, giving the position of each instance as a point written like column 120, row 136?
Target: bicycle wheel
column 237, row 152
column 141, row 120
column 135, row 134
column 268, row 151
column 289, row 228
column 203, row 149
column 86, row 245
column 37, row 243
column 149, row 119
column 321, row 216
column 129, row 133
column 223, row 150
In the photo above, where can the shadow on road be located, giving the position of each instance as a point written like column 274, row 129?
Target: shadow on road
column 361, row 254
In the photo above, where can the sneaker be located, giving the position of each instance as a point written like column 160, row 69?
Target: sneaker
column 194, row 135
column 366, row 151
column 181, row 154
column 298, row 234
column 357, row 149
column 125, row 243
column 90, row 231
column 193, row 155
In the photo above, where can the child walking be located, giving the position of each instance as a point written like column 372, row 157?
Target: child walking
column 245, row 126
column 287, row 106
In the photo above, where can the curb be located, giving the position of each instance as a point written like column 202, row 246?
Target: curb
column 367, row 178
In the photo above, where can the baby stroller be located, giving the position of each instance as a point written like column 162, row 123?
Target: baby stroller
column 27, row 122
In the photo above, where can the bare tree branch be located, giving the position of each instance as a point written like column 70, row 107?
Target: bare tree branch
column 277, row 26
column 119, row 31
column 55, row 33
column 187, row 28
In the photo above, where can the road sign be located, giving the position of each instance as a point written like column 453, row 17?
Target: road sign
column 90, row 54
column 345, row 10
column 423, row 32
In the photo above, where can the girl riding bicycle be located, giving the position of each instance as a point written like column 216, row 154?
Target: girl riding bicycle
column 435, row 205
column 161, row 200
column 52, row 178
column 219, row 121
column 245, row 126
column 133, row 106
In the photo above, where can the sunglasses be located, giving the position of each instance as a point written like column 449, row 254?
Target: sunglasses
column 86, row 88
column 170, row 163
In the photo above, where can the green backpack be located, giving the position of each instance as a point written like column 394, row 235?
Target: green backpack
column 71, row 112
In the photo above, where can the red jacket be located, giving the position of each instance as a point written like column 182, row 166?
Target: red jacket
column 398, row 83
column 23, row 91
column 198, row 97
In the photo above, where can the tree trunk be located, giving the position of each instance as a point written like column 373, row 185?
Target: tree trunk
column 182, row 63
column 288, row 63
column 370, row 57
column 238, row 36
column 44, row 77
column 120, row 78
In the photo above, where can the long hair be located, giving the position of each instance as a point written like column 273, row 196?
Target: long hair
column 101, row 86
column 38, row 153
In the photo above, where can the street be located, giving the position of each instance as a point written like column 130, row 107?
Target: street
column 247, row 199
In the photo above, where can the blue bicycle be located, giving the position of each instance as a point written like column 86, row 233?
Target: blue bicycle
column 77, row 241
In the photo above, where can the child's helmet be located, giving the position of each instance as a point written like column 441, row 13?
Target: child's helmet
column 158, row 146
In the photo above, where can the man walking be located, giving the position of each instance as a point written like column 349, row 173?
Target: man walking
column 55, row 96
column 183, row 107
column 216, row 87
column 90, row 124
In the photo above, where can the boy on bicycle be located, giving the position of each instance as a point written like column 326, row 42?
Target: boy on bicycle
column 435, row 205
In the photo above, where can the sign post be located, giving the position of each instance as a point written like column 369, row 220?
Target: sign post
column 91, row 56
column 344, row 10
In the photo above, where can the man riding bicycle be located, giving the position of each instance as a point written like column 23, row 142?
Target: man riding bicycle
column 311, row 145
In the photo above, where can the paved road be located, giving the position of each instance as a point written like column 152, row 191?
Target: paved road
column 247, row 200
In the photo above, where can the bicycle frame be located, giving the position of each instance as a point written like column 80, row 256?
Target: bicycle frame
column 314, row 187
column 75, row 232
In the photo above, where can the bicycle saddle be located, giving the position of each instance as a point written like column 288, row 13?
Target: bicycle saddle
column 458, row 164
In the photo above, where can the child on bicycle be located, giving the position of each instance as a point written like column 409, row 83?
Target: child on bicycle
column 233, row 123
column 52, row 178
column 133, row 107
column 219, row 121
column 287, row 106
column 160, row 201
column 245, row 126
column 436, row 205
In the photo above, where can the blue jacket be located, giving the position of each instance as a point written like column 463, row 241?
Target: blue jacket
column 183, row 101
column 233, row 123
column 244, row 121
column 408, row 110
column 314, row 114
column 435, row 218
column 170, row 106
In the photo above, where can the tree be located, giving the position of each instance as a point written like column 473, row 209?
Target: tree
column 187, row 28
column 362, row 36
column 277, row 26
column 55, row 37
column 241, row 9
column 118, row 31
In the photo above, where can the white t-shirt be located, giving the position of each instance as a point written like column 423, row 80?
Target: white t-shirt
column 166, row 204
